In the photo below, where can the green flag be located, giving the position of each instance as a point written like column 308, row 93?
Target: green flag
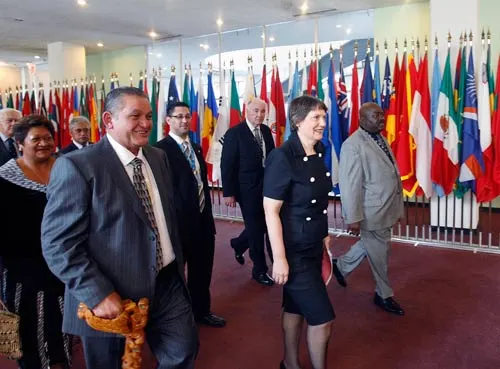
column 321, row 93
column 153, row 136
column 461, row 190
column 185, row 90
column 235, row 111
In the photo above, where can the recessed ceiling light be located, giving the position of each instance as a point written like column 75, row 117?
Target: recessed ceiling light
column 153, row 34
column 150, row 53
column 37, row 57
column 304, row 7
column 338, row 26
column 271, row 38
column 204, row 46
column 158, row 55
column 100, row 44
column 220, row 22
column 82, row 3
column 348, row 30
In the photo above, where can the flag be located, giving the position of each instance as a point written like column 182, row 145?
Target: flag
column 319, row 85
column 185, row 92
column 378, row 96
column 234, row 103
column 495, row 131
column 194, row 131
column 1, row 101
column 277, row 116
column 312, row 82
column 26, row 104
column 459, row 96
column 420, row 129
column 354, row 125
column 344, row 111
column 161, row 106
column 386, row 86
column 209, row 120
column 33, row 102
column 304, row 81
column 53, row 116
column 10, row 100
column 436, row 84
column 249, row 93
column 294, row 92
column 263, row 85
column 444, row 169
column 94, row 121
column 173, row 96
column 335, row 129
column 43, row 106
column 367, row 86
column 153, row 135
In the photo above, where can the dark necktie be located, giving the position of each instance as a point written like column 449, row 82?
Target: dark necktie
column 258, row 138
column 381, row 143
column 11, row 147
column 143, row 193
column 189, row 154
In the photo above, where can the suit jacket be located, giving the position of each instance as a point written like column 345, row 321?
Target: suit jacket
column 370, row 184
column 4, row 154
column 96, row 236
column 71, row 147
column 185, row 188
column 241, row 163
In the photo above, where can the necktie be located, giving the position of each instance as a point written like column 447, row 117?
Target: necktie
column 11, row 147
column 143, row 193
column 258, row 138
column 380, row 142
column 189, row 154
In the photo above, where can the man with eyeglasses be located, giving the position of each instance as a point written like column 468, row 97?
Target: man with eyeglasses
column 79, row 129
column 194, row 210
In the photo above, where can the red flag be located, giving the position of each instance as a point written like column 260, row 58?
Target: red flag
column 277, row 117
column 26, row 104
column 495, row 133
column 312, row 88
column 354, row 99
column 263, row 85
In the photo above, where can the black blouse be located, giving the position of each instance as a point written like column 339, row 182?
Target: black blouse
column 302, row 183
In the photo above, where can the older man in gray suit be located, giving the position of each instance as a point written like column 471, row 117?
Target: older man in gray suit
column 109, row 233
column 372, row 202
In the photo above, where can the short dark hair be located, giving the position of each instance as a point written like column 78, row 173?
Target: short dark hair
column 113, row 101
column 178, row 104
column 301, row 106
column 22, row 128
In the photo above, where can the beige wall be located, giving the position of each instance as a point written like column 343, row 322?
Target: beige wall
column 9, row 77
column 125, row 61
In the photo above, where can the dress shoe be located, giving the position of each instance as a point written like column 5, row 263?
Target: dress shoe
column 282, row 365
column 239, row 258
column 264, row 279
column 338, row 275
column 388, row 305
column 212, row 320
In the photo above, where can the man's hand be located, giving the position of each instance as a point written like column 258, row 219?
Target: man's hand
column 230, row 201
column 354, row 228
column 110, row 307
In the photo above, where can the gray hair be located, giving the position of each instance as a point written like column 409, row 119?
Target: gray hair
column 5, row 111
column 76, row 120
column 113, row 102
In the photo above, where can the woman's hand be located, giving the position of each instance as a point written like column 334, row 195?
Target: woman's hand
column 326, row 242
column 280, row 270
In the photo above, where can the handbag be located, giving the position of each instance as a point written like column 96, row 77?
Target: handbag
column 10, row 341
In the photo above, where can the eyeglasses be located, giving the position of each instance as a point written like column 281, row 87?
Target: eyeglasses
column 181, row 117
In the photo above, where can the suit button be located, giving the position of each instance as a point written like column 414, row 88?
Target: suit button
column 325, row 211
column 312, row 179
column 313, row 201
column 320, row 155
column 308, row 219
column 328, row 174
column 305, row 158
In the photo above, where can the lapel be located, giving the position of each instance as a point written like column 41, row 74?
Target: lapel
column 181, row 158
column 201, row 160
column 249, row 136
column 3, row 148
column 119, row 176
column 166, row 193
column 376, row 148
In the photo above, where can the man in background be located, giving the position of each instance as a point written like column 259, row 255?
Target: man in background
column 79, row 129
column 8, row 147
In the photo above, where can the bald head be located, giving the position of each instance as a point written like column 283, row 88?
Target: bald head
column 8, row 118
column 256, row 111
column 371, row 117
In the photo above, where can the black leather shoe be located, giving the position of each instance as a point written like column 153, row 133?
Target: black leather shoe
column 264, row 279
column 240, row 259
column 282, row 365
column 212, row 320
column 388, row 305
column 338, row 275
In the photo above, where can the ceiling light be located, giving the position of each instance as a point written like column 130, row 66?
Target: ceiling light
column 348, row 30
column 204, row 46
column 36, row 57
column 82, row 3
column 220, row 22
column 158, row 55
column 150, row 53
column 338, row 26
column 271, row 38
column 153, row 34
column 100, row 44
column 3, row 64
column 304, row 7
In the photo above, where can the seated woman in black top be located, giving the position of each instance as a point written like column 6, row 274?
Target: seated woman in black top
column 296, row 187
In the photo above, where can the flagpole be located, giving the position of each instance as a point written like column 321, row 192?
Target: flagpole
column 264, row 45
column 220, row 63
column 316, row 37
column 180, row 65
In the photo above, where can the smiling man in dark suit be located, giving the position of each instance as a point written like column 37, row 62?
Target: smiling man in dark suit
column 194, row 210
column 79, row 129
column 109, row 232
column 244, row 152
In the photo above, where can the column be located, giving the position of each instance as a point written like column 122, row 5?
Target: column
column 66, row 61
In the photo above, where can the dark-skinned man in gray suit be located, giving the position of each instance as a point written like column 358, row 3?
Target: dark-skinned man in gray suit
column 109, row 233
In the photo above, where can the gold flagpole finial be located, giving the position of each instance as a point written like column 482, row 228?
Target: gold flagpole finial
column 449, row 40
column 376, row 48
column 396, row 46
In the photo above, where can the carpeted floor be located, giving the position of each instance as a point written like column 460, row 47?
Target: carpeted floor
column 451, row 300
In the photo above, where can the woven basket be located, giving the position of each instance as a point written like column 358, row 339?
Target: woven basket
column 10, row 342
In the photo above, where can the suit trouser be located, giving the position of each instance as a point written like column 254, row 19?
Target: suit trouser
column 199, row 256
column 171, row 332
column 375, row 246
column 255, row 229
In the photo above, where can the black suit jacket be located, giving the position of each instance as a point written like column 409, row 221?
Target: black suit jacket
column 4, row 153
column 241, row 163
column 71, row 147
column 186, row 191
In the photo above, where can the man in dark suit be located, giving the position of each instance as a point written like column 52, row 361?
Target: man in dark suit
column 79, row 129
column 109, row 232
column 244, row 152
column 8, row 148
column 194, row 210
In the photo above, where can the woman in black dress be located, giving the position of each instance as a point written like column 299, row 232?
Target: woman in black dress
column 296, row 187
column 29, row 288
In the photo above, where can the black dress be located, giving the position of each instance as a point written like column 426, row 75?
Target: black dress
column 302, row 183
column 28, row 287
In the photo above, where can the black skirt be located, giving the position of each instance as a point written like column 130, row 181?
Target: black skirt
column 305, row 292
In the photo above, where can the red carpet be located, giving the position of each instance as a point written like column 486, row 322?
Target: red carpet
column 451, row 300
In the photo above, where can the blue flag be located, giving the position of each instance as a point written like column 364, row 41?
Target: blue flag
column 343, row 102
column 367, row 86
column 294, row 92
column 378, row 96
column 387, row 86
column 336, row 136
column 173, row 95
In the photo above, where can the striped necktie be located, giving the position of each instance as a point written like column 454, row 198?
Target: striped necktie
column 189, row 154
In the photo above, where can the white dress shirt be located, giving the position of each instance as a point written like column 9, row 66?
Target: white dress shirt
column 179, row 141
column 80, row 146
column 126, row 158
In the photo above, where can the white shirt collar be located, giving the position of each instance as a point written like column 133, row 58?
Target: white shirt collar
column 80, row 146
column 4, row 137
column 123, row 153
column 178, row 139
column 252, row 127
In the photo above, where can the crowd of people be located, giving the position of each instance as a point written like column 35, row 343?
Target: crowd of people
column 119, row 219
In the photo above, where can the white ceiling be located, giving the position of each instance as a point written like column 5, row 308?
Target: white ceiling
column 27, row 26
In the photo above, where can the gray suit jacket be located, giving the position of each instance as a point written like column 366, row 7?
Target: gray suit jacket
column 370, row 184
column 96, row 236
